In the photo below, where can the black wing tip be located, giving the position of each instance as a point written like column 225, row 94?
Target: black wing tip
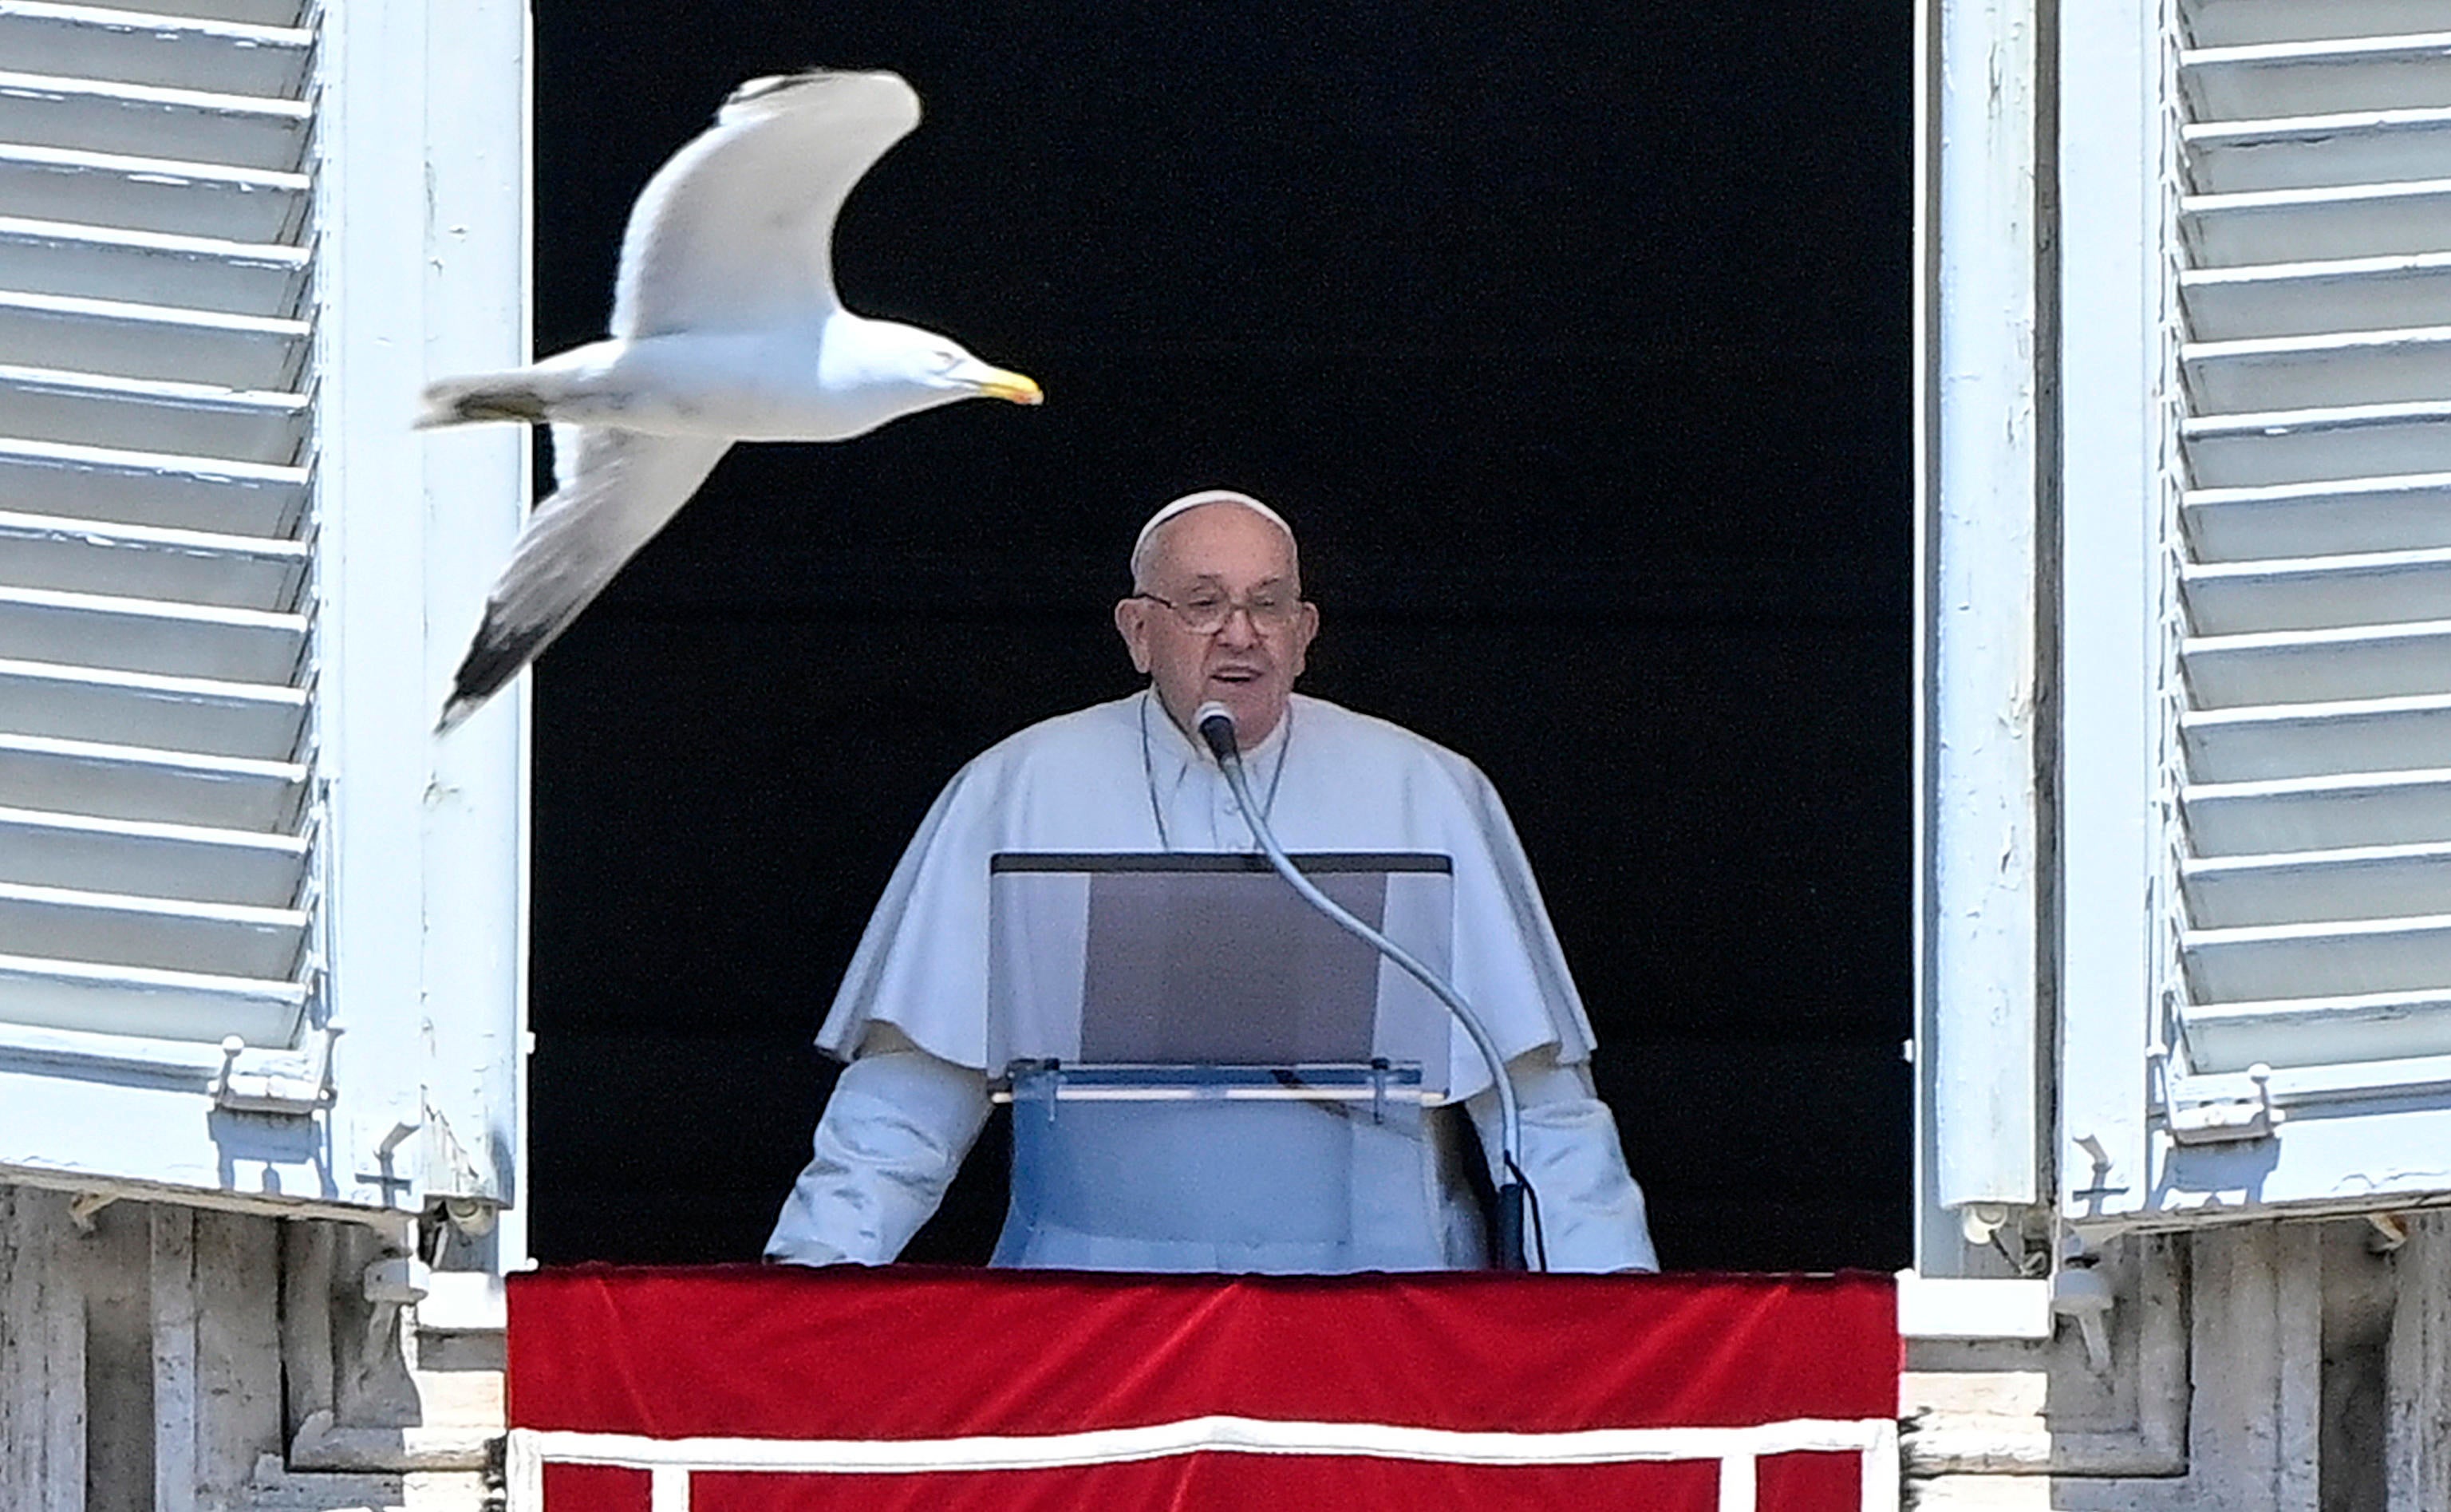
column 493, row 659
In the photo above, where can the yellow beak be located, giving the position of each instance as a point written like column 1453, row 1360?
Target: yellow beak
column 1001, row 384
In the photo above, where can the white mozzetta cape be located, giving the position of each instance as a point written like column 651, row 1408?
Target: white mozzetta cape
column 1121, row 777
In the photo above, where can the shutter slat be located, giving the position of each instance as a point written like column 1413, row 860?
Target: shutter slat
column 254, row 13
column 193, row 272
column 2320, row 959
column 133, row 46
column 134, row 782
column 96, row 116
column 150, row 194
column 2260, row 744
column 142, row 488
column 152, row 1004
column 2320, row 445
column 140, row 634
column 2367, row 883
column 2307, row 520
column 2306, row 225
column 2331, row 813
column 2326, row 368
column 167, row 860
column 2314, row 151
column 196, row 420
column 126, row 340
column 2241, row 22
column 196, row 714
column 2319, row 666
column 2323, row 76
column 2319, row 593
column 106, row 929
column 2318, row 298
column 79, row 556
column 2230, row 1037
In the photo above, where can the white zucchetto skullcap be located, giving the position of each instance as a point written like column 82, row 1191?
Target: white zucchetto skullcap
column 1191, row 501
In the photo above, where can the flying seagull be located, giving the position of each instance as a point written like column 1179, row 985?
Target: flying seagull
column 725, row 327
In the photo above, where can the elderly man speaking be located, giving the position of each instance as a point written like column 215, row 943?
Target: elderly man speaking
column 1216, row 615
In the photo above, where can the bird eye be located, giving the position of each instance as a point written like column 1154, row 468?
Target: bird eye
column 946, row 362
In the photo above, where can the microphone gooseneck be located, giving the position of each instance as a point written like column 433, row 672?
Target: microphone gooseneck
column 1215, row 723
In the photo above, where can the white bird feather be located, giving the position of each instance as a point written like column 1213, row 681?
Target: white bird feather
column 725, row 327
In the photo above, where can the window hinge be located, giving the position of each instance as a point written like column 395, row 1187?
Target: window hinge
column 295, row 1086
column 2223, row 1120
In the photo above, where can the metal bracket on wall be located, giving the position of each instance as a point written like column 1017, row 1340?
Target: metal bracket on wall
column 296, row 1084
column 2226, row 1120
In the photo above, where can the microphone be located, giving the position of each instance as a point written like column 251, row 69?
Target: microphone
column 1215, row 723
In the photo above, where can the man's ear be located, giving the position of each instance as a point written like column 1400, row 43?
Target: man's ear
column 1131, row 622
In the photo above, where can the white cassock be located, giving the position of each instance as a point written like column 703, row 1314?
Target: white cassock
column 911, row 1015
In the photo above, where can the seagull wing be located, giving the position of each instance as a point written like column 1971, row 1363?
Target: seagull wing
column 618, row 488
column 736, row 232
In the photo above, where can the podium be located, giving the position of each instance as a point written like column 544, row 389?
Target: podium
column 1293, row 1170
column 757, row 1390
column 1208, row 1075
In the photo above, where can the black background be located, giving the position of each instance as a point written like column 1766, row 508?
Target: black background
column 1574, row 342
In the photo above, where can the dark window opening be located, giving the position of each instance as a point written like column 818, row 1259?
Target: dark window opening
column 1576, row 345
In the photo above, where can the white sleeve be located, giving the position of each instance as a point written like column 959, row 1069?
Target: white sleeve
column 1589, row 1210
column 891, row 1138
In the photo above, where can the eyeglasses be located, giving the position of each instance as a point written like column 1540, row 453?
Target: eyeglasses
column 1205, row 612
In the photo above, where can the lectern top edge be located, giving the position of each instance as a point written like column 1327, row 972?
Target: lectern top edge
column 1332, row 861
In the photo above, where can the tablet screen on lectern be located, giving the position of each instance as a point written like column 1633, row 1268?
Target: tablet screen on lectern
column 1214, row 958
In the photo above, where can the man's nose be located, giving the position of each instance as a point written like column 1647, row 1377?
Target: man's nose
column 1240, row 629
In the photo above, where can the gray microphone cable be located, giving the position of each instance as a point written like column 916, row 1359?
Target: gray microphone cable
column 1215, row 723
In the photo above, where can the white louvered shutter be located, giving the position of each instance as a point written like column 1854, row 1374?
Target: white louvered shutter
column 196, row 428
column 2298, row 1046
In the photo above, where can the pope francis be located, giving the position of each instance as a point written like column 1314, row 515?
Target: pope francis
column 1216, row 614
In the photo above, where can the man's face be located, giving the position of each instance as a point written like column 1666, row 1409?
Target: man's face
column 1221, row 552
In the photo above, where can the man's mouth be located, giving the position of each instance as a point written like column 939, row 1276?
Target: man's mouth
column 1235, row 675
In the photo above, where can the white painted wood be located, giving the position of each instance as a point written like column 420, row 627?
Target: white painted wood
column 118, row 929
column 2319, row 593
column 2329, row 367
column 107, row 261
column 2310, row 739
column 2318, row 298
column 261, row 12
column 225, row 205
column 2326, row 812
column 2372, row 1027
column 194, row 566
column 2277, row 226
column 174, row 1358
column 1977, row 518
column 2241, row 23
column 162, row 637
column 177, row 860
column 2392, row 660
column 2319, row 445
column 96, row 116
column 2300, row 519
column 134, row 782
column 2409, row 70
column 2365, row 882
column 193, row 420
column 2318, row 151
column 197, row 714
column 2110, row 382
column 131, row 46
column 145, row 488
column 121, row 1002
column 133, row 340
